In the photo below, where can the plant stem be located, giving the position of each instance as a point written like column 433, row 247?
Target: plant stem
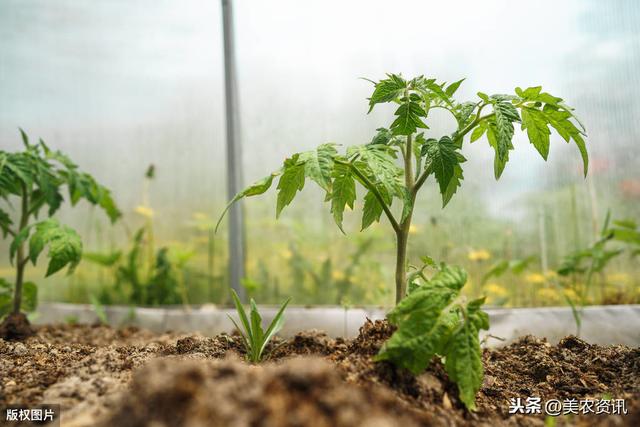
column 402, row 234
column 21, row 261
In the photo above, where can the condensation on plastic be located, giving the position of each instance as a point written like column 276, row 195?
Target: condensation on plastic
column 605, row 325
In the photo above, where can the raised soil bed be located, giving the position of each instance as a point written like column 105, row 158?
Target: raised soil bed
column 103, row 376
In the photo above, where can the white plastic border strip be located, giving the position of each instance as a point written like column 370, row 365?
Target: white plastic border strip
column 614, row 324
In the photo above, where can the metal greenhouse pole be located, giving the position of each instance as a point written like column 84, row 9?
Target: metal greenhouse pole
column 234, row 154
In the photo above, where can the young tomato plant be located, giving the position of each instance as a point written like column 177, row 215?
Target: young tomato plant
column 35, row 178
column 397, row 162
column 435, row 320
column 254, row 338
column 584, row 263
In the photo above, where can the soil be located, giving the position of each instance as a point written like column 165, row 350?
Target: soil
column 129, row 377
column 15, row 326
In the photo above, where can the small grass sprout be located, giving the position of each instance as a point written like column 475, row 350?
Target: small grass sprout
column 254, row 338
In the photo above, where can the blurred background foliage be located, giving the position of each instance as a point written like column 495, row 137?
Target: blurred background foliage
column 122, row 85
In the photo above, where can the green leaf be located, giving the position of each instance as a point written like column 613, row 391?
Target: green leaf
column 65, row 246
column 383, row 137
column 463, row 113
column 478, row 131
column 464, row 355
column 535, row 122
column 5, row 222
column 424, row 321
column 505, row 115
column 291, row 181
column 453, row 87
column 378, row 162
column 372, row 210
column 409, row 118
column 29, row 296
column 443, row 160
column 387, row 90
column 256, row 334
column 496, row 270
column 241, row 313
column 453, row 186
column 275, row 326
column 25, row 138
column 560, row 121
column 498, row 162
column 318, row 165
column 104, row 259
column 343, row 193
column 254, row 189
column 20, row 238
column 6, row 297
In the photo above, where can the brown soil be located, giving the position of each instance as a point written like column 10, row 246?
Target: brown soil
column 15, row 326
column 128, row 377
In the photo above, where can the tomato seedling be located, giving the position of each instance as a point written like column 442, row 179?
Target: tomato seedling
column 36, row 178
column 397, row 162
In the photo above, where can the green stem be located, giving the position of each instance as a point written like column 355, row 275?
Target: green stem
column 402, row 234
column 21, row 260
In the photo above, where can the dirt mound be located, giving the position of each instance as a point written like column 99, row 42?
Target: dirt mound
column 300, row 391
column 572, row 369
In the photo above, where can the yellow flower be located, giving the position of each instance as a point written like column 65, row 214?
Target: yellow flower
column 413, row 229
column 535, row 278
column 337, row 275
column 570, row 293
column 145, row 211
column 550, row 274
column 622, row 278
column 548, row 294
column 286, row 254
column 495, row 289
column 479, row 255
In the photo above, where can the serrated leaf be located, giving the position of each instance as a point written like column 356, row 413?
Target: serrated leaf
column 291, row 181
column 463, row 113
column 453, row 186
column 65, row 245
column 424, row 321
column 560, row 121
column 387, row 90
column 505, row 115
column 5, row 222
column 464, row 355
column 442, row 158
column 343, row 192
column 318, row 165
column 498, row 162
column 382, row 137
column 453, row 87
column 535, row 123
column 378, row 162
column 372, row 210
column 409, row 118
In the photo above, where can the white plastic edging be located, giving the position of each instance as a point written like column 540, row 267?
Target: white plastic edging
column 614, row 324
